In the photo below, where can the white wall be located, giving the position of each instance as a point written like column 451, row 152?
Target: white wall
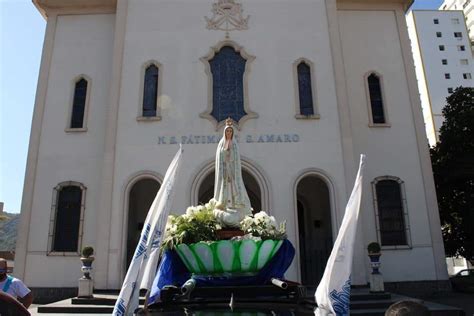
column 174, row 33
column 390, row 150
column 276, row 39
column 83, row 45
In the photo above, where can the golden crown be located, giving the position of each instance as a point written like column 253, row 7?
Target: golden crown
column 229, row 122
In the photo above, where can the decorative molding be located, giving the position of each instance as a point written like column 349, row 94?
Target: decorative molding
column 227, row 16
column 248, row 58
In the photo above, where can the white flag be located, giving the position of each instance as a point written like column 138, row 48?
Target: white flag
column 142, row 269
column 333, row 292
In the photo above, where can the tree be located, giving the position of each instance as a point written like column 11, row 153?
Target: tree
column 453, row 168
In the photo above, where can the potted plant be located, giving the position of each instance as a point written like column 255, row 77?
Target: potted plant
column 87, row 257
column 194, row 237
column 374, row 254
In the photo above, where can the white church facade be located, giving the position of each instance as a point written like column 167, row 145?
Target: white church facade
column 312, row 84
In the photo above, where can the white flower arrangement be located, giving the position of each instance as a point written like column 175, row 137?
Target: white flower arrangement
column 264, row 226
column 200, row 224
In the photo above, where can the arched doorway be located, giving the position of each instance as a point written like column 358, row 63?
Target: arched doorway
column 206, row 190
column 140, row 198
column 314, row 227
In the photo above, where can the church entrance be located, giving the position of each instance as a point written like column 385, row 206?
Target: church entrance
column 314, row 227
column 141, row 197
column 206, row 190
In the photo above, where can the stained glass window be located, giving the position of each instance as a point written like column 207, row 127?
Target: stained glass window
column 305, row 89
column 150, row 91
column 391, row 215
column 376, row 100
column 79, row 104
column 227, row 68
column 68, row 213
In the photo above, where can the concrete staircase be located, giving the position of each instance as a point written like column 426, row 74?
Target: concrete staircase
column 362, row 303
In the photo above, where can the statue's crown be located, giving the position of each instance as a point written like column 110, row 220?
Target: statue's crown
column 229, row 122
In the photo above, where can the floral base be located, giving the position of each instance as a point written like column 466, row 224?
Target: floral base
column 228, row 256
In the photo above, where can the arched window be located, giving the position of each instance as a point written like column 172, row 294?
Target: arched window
column 377, row 112
column 391, row 212
column 227, row 66
column 67, row 217
column 305, row 90
column 150, row 91
column 305, row 107
column 79, row 104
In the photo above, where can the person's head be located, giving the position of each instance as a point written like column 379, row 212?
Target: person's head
column 407, row 308
column 229, row 132
column 3, row 268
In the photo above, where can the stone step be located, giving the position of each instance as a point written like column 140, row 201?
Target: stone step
column 362, row 303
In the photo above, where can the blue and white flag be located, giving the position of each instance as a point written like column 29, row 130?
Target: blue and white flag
column 142, row 269
column 333, row 292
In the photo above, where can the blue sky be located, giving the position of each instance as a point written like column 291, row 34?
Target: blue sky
column 21, row 40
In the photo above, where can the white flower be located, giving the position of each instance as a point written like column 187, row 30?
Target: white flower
column 212, row 203
column 190, row 211
column 260, row 217
column 173, row 228
column 200, row 208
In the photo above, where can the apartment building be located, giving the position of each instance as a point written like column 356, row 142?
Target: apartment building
column 443, row 61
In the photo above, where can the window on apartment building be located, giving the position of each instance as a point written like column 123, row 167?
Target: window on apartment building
column 439, row 34
column 455, row 21
column 441, row 47
column 464, row 62
column 447, row 76
column 458, row 35
column 467, row 75
column 444, row 61
column 435, row 21
column 466, row 4
column 450, row 90
column 461, row 48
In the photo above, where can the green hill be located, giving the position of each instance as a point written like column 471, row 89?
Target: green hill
column 8, row 230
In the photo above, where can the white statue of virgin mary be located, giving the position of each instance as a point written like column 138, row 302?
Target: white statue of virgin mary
column 232, row 201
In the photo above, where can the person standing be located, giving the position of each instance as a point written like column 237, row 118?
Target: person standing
column 14, row 286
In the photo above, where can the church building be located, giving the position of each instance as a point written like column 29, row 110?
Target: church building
column 310, row 85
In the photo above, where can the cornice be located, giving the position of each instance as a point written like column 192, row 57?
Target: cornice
column 53, row 7
column 406, row 3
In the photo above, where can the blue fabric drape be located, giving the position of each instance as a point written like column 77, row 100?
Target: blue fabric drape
column 172, row 271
